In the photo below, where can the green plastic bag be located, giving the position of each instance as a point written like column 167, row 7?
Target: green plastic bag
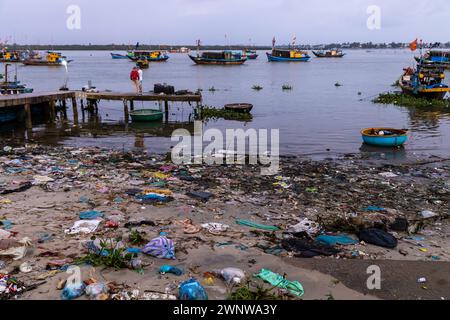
column 277, row 280
column 256, row 225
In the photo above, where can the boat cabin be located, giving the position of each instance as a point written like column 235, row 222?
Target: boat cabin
column 222, row 55
column 54, row 57
column 438, row 56
column 287, row 53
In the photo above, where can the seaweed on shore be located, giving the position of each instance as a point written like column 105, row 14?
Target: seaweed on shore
column 213, row 113
column 409, row 101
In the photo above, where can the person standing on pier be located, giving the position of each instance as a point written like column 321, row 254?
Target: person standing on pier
column 134, row 77
column 141, row 78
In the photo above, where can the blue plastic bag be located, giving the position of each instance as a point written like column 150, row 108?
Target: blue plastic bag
column 192, row 290
column 73, row 290
column 170, row 269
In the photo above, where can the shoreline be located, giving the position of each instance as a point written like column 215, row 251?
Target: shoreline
column 336, row 194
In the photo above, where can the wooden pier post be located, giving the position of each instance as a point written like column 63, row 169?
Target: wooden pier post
column 51, row 104
column 166, row 111
column 132, row 105
column 64, row 104
column 75, row 110
column 28, row 122
column 125, row 110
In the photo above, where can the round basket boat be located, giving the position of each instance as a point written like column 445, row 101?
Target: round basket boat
column 385, row 137
column 145, row 115
column 239, row 107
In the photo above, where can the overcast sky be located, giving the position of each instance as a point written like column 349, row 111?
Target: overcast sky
column 184, row 21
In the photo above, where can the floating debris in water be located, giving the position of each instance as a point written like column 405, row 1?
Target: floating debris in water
column 257, row 87
column 286, row 87
column 213, row 113
column 410, row 101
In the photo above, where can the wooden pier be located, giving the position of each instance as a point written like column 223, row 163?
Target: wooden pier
column 26, row 101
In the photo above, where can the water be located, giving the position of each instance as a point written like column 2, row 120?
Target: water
column 316, row 118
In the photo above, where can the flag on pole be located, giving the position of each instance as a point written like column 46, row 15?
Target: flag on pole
column 413, row 45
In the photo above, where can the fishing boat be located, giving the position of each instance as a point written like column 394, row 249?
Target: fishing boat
column 118, row 56
column 52, row 59
column 424, row 82
column 335, row 53
column 285, row 55
column 9, row 56
column 12, row 87
column 145, row 115
column 227, row 57
column 251, row 54
column 239, row 107
column 143, row 63
column 385, row 137
column 152, row 56
column 438, row 58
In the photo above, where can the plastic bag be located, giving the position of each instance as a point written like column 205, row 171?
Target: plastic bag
column 97, row 291
column 294, row 287
column 170, row 269
column 73, row 290
column 231, row 275
column 160, row 247
column 192, row 290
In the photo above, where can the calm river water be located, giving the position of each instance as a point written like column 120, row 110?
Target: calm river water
column 316, row 118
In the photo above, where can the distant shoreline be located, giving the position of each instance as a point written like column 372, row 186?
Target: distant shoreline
column 123, row 47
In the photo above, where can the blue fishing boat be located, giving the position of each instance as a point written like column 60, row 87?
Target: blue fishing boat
column 438, row 58
column 385, row 137
column 286, row 55
column 118, row 56
column 425, row 82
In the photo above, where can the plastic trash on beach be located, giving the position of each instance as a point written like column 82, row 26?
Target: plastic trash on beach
column 5, row 234
column 73, row 290
column 293, row 287
column 231, row 275
column 306, row 225
column 83, row 226
column 378, row 237
column 170, row 269
column 17, row 249
column 426, row 214
column 338, row 239
column 255, row 225
column 39, row 180
column 160, row 247
column 89, row 215
column 97, row 291
column 192, row 290
column 215, row 228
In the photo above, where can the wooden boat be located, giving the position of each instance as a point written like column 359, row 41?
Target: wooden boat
column 251, row 54
column 52, row 59
column 8, row 56
column 143, row 63
column 286, row 55
column 118, row 56
column 329, row 53
column 226, row 57
column 152, row 56
column 437, row 58
column 424, row 82
column 143, row 115
column 239, row 107
column 12, row 87
column 385, row 137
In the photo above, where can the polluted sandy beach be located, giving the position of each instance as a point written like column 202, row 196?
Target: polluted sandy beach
column 135, row 226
